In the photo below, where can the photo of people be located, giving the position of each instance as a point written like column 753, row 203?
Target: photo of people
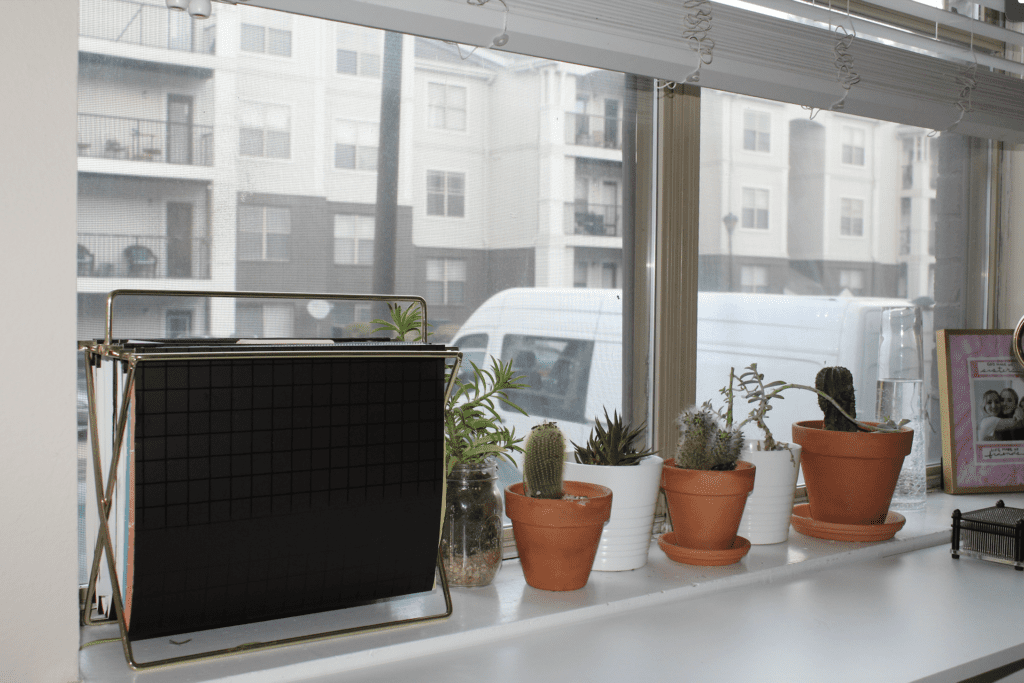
column 1000, row 414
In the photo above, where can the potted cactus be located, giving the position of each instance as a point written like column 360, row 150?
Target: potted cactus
column 557, row 524
column 850, row 467
column 611, row 458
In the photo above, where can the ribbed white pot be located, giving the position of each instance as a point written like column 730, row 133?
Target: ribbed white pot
column 766, row 516
column 626, row 539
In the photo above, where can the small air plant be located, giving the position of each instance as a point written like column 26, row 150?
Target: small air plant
column 611, row 443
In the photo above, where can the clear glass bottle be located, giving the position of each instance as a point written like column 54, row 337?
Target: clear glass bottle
column 471, row 538
column 901, row 397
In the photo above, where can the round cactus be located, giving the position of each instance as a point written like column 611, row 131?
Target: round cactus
column 542, row 469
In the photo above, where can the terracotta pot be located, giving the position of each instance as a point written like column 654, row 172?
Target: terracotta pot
column 557, row 539
column 706, row 505
column 850, row 476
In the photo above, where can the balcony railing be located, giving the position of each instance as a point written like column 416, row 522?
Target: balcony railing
column 119, row 137
column 105, row 255
column 593, row 130
column 127, row 21
column 593, row 219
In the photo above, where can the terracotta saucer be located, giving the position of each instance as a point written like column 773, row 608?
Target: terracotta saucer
column 832, row 531
column 704, row 558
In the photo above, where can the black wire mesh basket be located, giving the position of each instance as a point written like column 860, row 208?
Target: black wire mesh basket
column 995, row 534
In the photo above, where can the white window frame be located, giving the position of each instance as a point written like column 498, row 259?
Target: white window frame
column 265, row 230
column 262, row 118
column 352, row 233
column 854, row 146
column 447, row 194
column 353, row 39
column 443, row 114
column 267, row 35
column 755, row 208
column 363, row 137
column 851, row 217
column 760, row 124
column 446, row 271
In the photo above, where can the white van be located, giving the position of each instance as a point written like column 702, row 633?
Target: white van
column 568, row 345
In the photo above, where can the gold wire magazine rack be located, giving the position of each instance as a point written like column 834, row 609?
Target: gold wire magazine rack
column 238, row 482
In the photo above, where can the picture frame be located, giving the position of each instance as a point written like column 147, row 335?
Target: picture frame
column 982, row 437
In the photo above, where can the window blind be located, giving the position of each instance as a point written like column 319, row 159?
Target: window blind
column 777, row 49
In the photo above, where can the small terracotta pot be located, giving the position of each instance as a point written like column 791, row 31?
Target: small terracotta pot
column 706, row 505
column 557, row 539
column 850, row 476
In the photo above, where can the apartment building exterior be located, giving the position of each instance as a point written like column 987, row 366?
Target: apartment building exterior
column 241, row 152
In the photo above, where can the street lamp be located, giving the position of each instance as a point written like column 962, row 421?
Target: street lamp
column 730, row 221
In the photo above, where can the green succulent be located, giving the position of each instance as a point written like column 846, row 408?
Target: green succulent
column 403, row 321
column 542, row 468
column 611, row 443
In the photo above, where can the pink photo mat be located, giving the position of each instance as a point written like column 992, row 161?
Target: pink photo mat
column 982, row 458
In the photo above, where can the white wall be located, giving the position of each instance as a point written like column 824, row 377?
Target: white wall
column 38, row 563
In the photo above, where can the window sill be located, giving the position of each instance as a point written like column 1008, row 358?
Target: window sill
column 507, row 615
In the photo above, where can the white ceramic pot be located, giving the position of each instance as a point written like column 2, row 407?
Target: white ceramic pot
column 770, row 506
column 626, row 539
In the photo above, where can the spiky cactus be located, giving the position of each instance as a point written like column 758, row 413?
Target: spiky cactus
column 706, row 444
column 542, row 469
column 837, row 382
column 611, row 444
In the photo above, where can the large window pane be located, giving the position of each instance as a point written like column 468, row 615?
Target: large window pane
column 802, row 247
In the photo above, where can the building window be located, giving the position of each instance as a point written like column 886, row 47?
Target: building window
column 264, row 130
column 907, row 168
column 851, row 219
column 355, row 145
column 267, row 321
column 853, row 146
column 579, row 276
column 446, row 193
column 755, row 208
column 266, row 40
column 446, row 106
column 852, row 280
column 446, row 281
column 757, row 126
column 905, row 225
column 264, row 233
column 179, row 324
column 754, row 279
column 353, row 239
column 359, row 51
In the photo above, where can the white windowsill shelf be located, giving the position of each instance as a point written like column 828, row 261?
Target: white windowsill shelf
column 625, row 625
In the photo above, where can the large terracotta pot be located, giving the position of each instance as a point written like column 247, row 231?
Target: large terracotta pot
column 706, row 505
column 556, row 538
column 850, row 476
column 626, row 538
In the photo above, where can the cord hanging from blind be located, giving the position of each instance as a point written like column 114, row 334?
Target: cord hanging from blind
column 845, row 75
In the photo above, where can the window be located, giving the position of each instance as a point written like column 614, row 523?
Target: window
column 755, row 208
column 359, row 51
column 264, row 233
column 446, row 193
column 264, row 130
column 753, row 279
column 355, row 145
column 556, row 372
column 353, row 240
column 851, row 218
column 757, row 126
column 264, row 321
column 853, row 146
column 446, row 281
column 446, row 106
column 266, row 40
column 905, row 225
column 852, row 280
column 179, row 324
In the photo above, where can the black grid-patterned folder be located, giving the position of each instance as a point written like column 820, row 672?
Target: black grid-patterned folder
column 277, row 486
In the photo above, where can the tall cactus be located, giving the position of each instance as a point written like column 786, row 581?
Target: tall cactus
column 837, row 382
column 542, row 469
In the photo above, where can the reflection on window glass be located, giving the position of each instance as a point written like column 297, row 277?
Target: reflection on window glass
column 845, row 212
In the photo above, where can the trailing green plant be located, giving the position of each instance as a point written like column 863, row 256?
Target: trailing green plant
column 611, row 444
column 403, row 321
column 473, row 430
column 542, row 467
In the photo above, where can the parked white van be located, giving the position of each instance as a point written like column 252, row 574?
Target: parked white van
column 568, row 345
